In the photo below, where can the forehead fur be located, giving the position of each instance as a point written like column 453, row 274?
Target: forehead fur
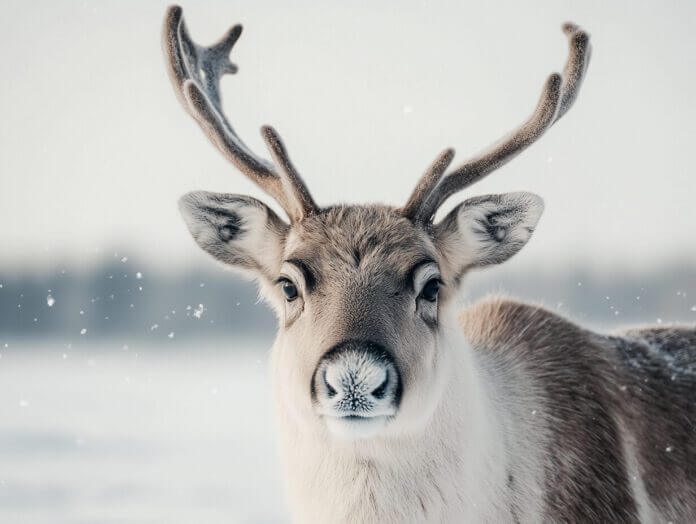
column 360, row 236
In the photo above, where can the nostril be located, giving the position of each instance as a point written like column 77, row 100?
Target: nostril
column 329, row 388
column 380, row 390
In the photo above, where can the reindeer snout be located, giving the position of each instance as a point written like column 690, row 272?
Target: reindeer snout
column 357, row 379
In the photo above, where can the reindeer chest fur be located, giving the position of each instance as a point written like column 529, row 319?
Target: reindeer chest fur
column 461, row 467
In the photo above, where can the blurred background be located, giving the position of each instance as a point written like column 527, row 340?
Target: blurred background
column 134, row 382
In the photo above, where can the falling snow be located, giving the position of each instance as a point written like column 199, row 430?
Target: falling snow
column 198, row 312
column 50, row 300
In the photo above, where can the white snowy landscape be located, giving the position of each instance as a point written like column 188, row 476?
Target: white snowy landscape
column 143, row 435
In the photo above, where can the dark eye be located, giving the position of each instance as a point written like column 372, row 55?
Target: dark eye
column 431, row 289
column 289, row 289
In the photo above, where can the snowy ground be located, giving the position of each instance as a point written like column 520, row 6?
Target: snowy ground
column 137, row 435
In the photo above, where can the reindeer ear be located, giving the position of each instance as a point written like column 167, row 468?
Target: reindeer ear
column 235, row 229
column 488, row 229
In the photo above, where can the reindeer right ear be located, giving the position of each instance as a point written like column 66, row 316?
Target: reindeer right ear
column 235, row 229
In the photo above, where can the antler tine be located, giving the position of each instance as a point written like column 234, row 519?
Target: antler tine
column 558, row 95
column 195, row 72
column 429, row 180
column 293, row 184
column 579, row 56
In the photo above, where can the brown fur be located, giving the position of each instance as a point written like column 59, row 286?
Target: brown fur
column 658, row 400
column 591, row 386
column 374, row 237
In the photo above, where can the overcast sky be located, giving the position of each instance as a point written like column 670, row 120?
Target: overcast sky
column 95, row 150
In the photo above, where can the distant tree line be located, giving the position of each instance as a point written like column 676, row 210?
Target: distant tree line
column 124, row 301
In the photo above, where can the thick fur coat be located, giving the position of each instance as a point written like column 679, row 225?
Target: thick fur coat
column 540, row 421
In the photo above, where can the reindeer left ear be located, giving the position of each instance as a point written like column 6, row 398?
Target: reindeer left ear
column 488, row 229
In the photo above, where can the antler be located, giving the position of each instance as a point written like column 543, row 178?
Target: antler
column 195, row 72
column 557, row 96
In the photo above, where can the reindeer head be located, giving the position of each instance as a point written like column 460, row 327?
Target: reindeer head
column 361, row 291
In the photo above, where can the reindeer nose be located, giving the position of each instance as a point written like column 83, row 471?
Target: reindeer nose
column 357, row 379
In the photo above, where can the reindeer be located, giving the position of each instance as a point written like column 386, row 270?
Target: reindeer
column 392, row 406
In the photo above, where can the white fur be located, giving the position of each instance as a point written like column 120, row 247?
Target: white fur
column 453, row 466
column 646, row 511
